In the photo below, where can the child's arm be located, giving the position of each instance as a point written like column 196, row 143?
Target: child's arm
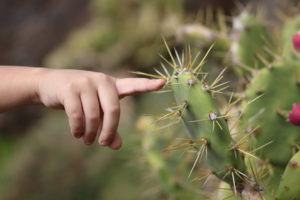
column 90, row 99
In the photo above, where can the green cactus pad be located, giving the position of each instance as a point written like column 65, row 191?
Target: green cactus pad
column 251, row 41
column 280, row 89
column 198, row 104
column 290, row 27
column 289, row 188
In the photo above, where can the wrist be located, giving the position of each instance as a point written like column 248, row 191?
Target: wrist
column 38, row 75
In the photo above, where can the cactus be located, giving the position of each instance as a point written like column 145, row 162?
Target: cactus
column 280, row 90
column 289, row 186
column 206, row 125
column 278, row 82
column 172, row 187
column 251, row 41
column 248, row 45
column 267, row 115
column 252, row 152
column 290, row 29
column 209, row 128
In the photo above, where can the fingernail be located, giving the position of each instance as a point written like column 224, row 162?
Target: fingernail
column 103, row 143
column 87, row 143
column 115, row 146
column 77, row 136
column 160, row 80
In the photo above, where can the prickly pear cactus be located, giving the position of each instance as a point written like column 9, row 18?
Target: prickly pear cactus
column 251, row 42
column 247, row 45
column 248, row 143
column 172, row 186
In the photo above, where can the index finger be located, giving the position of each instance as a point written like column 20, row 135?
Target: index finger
column 131, row 86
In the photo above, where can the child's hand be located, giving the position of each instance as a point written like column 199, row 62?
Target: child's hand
column 91, row 101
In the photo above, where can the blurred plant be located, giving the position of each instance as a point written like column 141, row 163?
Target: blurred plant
column 49, row 164
column 120, row 34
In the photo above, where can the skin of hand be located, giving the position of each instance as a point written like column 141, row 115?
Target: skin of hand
column 91, row 100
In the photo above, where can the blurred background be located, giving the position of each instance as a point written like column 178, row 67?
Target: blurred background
column 39, row 159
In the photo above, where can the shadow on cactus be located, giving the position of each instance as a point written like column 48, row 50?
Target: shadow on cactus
column 248, row 143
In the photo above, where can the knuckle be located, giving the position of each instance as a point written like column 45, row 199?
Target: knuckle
column 70, row 86
column 89, row 140
column 115, row 110
column 93, row 117
column 84, row 79
column 104, row 78
column 76, row 116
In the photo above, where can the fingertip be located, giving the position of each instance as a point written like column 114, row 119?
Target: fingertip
column 88, row 143
column 116, row 144
column 78, row 135
column 158, row 83
column 103, row 143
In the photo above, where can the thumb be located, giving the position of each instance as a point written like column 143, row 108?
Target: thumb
column 131, row 86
